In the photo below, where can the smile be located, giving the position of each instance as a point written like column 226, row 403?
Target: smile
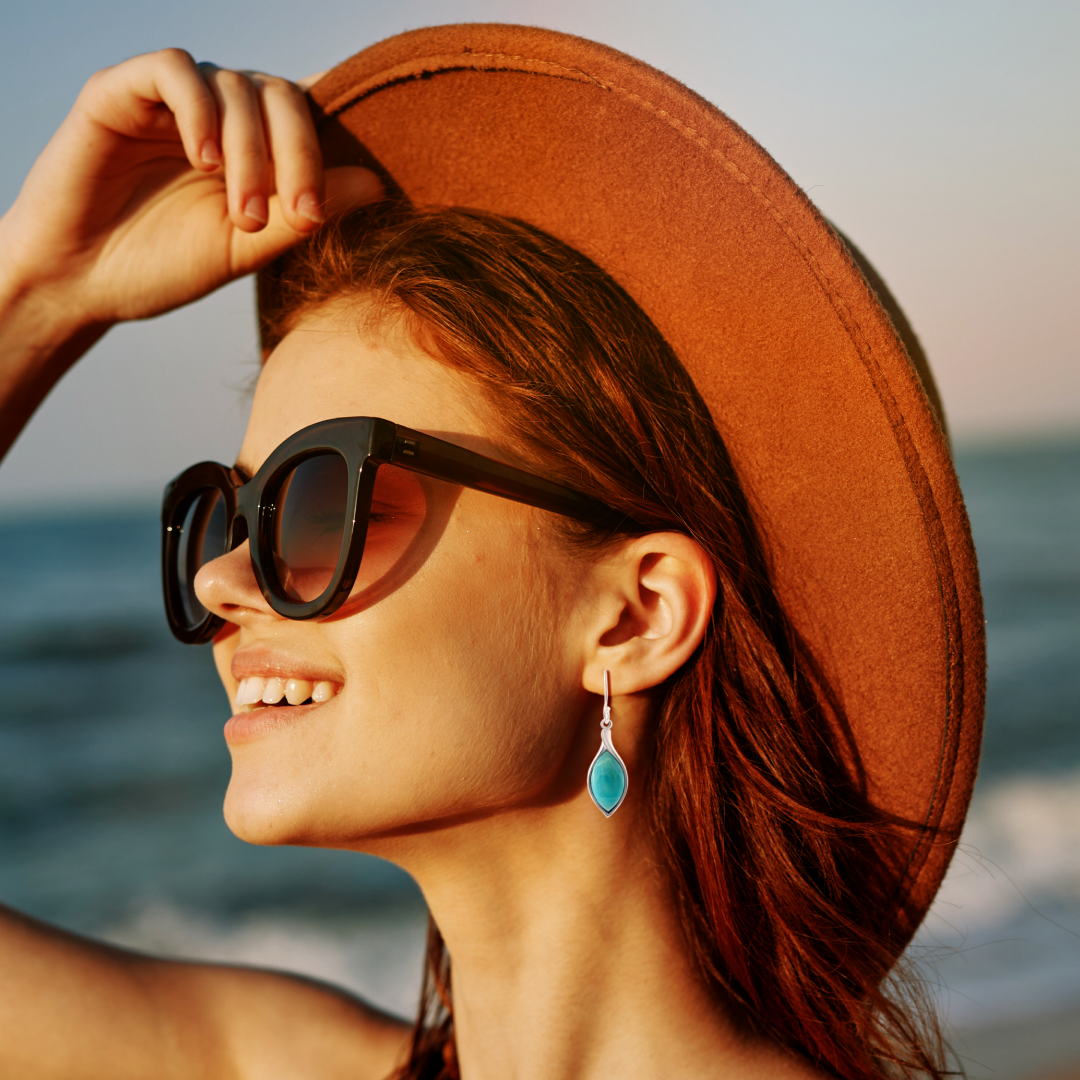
column 256, row 692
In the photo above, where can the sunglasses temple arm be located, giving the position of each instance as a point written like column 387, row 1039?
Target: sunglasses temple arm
column 426, row 454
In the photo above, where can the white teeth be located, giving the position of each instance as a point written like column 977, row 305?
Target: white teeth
column 274, row 692
column 323, row 691
column 255, row 690
column 297, row 691
column 250, row 690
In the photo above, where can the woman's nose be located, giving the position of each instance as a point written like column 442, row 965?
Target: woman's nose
column 227, row 587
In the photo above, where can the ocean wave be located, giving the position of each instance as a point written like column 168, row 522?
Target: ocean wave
column 1020, row 845
column 1002, row 939
column 79, row 640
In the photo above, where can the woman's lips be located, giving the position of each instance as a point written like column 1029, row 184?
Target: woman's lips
column 265, row 703
column 250, row 723
column 276, row 687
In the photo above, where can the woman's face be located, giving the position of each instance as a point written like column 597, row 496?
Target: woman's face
column 455, row 663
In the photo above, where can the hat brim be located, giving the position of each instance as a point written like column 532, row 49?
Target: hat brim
column 824, row 414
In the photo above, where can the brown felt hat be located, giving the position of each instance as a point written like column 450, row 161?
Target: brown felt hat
column 812, row 374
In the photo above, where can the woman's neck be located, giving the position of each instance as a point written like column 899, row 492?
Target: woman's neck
column 568, row 960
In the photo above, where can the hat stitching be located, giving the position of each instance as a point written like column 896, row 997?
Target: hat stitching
column 426, row 67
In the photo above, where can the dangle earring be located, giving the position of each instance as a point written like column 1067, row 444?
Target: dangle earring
column 608, row 779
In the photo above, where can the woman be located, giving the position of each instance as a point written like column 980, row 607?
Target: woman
column 711, row 871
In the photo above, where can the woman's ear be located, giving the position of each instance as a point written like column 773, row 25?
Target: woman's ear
column 652, row 600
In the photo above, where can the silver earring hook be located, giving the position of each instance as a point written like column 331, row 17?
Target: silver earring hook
column 607, row 779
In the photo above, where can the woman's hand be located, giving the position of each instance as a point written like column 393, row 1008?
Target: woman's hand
column 167, row 180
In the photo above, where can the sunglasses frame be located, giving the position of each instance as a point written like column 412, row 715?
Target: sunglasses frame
column 365, row 443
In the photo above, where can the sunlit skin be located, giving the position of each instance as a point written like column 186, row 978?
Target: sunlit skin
column 468, row 663
column 460, row 739
column 460, row 690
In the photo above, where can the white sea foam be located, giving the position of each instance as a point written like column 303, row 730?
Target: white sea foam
column 1003, row 936
column 1022, row 834
column 378, row 955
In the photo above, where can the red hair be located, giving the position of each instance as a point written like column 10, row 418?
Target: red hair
column 784, row 874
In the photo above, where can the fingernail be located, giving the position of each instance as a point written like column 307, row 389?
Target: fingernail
column 255, row 208
column 307, row 206
column 210, row 154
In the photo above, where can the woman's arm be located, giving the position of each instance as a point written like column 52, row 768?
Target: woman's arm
column 166, row 181
column 73, row 1009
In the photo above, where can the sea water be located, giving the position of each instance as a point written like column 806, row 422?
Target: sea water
column 113, row 767
column 1002, row 941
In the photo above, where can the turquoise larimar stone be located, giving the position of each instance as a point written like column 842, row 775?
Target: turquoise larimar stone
column 607, row 781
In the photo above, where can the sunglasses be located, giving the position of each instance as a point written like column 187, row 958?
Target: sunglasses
column 317, row 502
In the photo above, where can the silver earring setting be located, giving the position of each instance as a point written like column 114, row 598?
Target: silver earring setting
column 608, row 779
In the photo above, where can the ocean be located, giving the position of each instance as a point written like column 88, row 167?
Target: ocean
column 112, row 771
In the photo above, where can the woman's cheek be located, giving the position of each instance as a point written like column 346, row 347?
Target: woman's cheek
column 459, row 696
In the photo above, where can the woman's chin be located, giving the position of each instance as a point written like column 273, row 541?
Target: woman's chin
column 267, row 814
column 273, row 812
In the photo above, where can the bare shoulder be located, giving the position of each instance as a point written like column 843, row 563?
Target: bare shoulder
column 250, row 1024
column 762, row 1059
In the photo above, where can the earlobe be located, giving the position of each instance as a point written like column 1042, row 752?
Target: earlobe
column 657, row 597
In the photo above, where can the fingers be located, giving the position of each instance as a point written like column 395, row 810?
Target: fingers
column 349, row 186
column 270, row 147
column 249, row 178
column 255, row 128
column 185, row 92
column 346, row 187
column 156, row 95
column 294, row 148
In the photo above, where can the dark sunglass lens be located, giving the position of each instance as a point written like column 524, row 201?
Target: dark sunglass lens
column 202, row 538
column 309, row 525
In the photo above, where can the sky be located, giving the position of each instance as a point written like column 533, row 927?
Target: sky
column 943, row 136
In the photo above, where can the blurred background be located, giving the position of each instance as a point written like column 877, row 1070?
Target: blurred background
column 942, row 137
